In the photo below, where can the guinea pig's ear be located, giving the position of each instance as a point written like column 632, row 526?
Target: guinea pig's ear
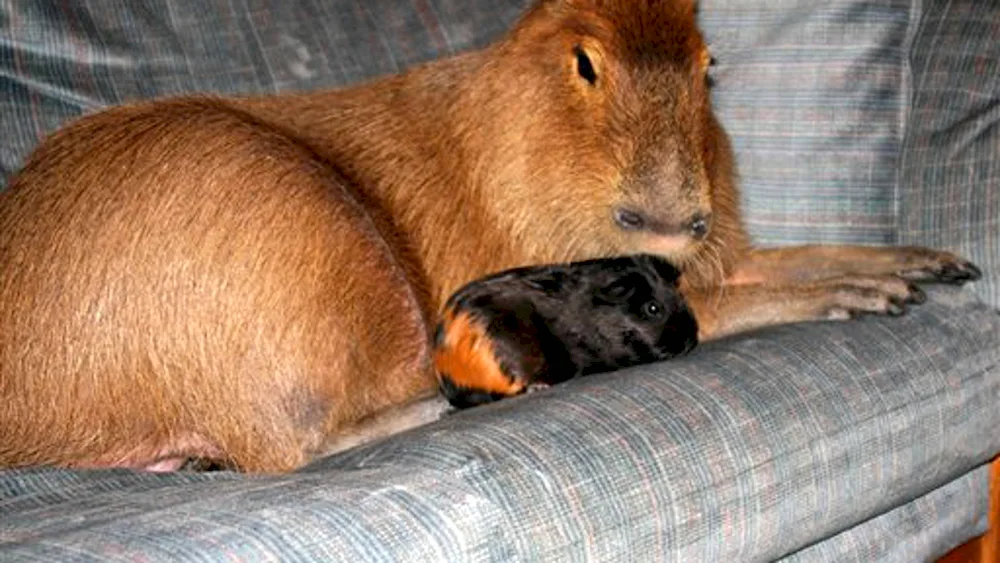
column 549, row 283
column 663, row 268
column 617, row 292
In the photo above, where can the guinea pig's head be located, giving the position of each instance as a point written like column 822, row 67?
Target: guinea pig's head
column 613, row 114
column 637, row 313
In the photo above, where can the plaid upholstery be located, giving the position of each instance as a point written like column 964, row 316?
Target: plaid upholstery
column 853, row 121
column 811, row 94
column 59, row 59
column 748, row 450
column 865, row 122
column 949, row 188
column 916, row 531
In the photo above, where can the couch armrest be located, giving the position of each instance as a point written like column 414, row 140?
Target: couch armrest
column 747, row 450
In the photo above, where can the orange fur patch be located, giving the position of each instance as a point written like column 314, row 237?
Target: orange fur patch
column 466, row 356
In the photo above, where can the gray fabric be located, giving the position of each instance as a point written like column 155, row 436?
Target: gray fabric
column 390, row 514
column 748, row 450
column 59, row 59
column 865, row 122
column 922, row 530
column 949, row 187
column 812, row 95
column 853, row 121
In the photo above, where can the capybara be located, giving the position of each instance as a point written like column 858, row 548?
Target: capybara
column 241, row 279
column 545, row 324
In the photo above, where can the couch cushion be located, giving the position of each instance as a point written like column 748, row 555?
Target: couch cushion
column 748, row 450
column 950, row 172
column 387, row 514
column 59, row 59
column 812, row 95
column 865, row 122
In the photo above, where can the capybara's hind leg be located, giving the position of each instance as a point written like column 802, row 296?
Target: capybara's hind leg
column 226, row 286
column 386, row 423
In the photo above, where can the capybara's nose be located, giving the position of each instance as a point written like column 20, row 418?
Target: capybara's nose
column 700, row 224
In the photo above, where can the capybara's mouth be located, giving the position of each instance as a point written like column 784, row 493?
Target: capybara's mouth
column 672, row 247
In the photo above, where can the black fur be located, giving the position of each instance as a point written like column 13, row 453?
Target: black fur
column 552, row 323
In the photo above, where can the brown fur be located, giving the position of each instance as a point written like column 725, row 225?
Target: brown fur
column 247, row 278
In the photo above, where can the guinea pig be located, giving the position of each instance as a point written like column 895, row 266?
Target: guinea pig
column 541, row 325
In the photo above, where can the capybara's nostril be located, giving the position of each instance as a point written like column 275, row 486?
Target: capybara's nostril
column 629, row 220
column 700, row 225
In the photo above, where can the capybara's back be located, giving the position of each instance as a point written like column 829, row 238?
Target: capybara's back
column 161, row 303
column 240, row 279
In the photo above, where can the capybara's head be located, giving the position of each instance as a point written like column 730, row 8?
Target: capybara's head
column 542, row 325
column 608, row 108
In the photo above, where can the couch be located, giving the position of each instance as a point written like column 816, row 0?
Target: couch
column 863, row 121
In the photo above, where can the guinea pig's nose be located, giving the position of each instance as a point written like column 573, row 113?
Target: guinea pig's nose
column 629, row 220
column 700, row 225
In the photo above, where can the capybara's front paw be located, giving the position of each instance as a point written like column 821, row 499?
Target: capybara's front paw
column 934, row 266
column 852, row 296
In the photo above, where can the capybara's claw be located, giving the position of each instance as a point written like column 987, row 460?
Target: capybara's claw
column 896, row 306
column 917, row 296
column 931, row 266
column 959, row 272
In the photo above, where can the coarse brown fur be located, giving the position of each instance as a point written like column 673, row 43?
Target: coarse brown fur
column 246, row 278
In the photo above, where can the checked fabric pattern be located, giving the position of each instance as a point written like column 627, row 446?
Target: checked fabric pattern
column 863, row 121
column 753, row 449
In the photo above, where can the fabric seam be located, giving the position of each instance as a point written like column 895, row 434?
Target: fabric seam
column 906, row 93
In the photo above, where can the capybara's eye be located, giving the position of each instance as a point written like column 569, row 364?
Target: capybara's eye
column 584, row 66
column 652, row 309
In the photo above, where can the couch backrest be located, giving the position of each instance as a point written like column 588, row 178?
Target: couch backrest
column 861, row 121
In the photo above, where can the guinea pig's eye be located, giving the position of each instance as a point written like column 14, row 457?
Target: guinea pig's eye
column 652, row 309
column 584, row 67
